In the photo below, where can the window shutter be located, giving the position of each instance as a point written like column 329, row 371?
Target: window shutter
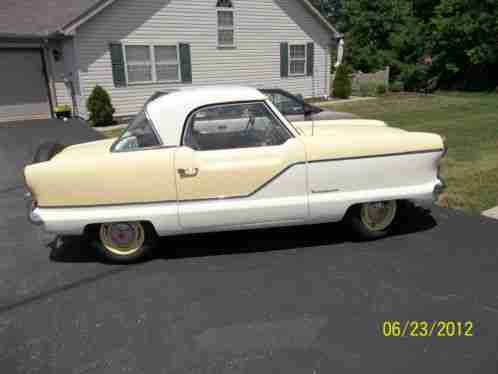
column 185, row 62
column 118, row 66
column 310, row 55
column 284, row 60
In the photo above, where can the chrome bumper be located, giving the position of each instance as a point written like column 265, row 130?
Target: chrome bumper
column 439, row 189
column 31, row 209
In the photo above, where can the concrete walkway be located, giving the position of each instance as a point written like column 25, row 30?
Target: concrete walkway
column 352, row 99
column 109, row 128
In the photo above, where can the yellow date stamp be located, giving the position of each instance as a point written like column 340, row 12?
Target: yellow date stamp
column 412, row 328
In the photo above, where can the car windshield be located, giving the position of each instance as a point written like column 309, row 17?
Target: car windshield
column 139, row 134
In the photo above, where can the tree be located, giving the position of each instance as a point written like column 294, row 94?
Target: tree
column 465, row 43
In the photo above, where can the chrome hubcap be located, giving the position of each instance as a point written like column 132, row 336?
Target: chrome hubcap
column 378, row 216
column 123, row 238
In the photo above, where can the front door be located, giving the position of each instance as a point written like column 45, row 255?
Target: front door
column 239, row 165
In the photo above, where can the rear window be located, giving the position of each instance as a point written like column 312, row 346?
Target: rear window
column 139, row 135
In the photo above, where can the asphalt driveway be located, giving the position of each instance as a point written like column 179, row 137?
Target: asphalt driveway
column 19, row 141
column 292, row 300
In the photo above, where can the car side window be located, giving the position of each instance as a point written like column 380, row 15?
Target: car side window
column 231, row 126
column 287, row 104
column 138, row 135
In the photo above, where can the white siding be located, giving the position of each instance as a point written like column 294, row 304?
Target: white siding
column 260, row 27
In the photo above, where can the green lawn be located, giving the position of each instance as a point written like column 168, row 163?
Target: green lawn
column 470, row 124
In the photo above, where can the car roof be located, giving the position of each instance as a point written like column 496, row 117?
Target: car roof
column 168, row 111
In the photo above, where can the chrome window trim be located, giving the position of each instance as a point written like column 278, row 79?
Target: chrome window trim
column 154, row 130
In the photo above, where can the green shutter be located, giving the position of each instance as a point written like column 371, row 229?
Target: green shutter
column 118, row 66
column 310, row 55
column 185, row 63
column 284, row 60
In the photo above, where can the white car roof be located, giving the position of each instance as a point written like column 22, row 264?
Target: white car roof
column 169, row 112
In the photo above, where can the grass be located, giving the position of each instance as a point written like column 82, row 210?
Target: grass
column 469, row 121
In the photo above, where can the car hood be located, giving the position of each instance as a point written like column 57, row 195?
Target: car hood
column 326, row 114
column 346, row 140
column 85, row 150
column 314, row 128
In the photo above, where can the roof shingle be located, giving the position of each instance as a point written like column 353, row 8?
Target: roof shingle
column 40, row 17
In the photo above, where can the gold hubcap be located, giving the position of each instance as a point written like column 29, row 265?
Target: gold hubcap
column 379, row 215
column 122, row 238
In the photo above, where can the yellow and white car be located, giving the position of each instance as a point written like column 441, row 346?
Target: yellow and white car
column 224, row 158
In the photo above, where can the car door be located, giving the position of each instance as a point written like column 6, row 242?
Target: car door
column 239, row 165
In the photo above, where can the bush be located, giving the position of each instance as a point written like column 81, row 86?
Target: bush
column 381, row 89
column 368, row 89
column 342, row 82
column 397, row 86
column 414, row 77
column 100, row 108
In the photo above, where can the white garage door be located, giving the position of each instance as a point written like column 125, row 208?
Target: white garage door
column 23, row 91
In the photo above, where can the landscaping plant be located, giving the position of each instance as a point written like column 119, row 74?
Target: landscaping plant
column 100, row 107
column 342, row 82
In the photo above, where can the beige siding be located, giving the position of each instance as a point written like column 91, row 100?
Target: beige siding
column 260, row 26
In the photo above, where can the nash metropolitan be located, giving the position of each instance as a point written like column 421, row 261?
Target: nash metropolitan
column 224, row 158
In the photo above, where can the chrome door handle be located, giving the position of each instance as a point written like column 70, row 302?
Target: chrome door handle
column 189, row 172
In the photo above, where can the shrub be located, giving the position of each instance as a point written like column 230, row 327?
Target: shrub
column 342, row 82
column 100, row 108
column 381, row 89
column 414, row 77
column 368, row 89
column 397, row 86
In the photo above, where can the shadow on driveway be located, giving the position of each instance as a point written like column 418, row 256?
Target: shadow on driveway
column 19, row 141
column 76, row 249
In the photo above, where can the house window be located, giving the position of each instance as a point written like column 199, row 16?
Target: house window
column 138, row 63
column 226, row 37
column 167, row 66
column 152, row 63
column 297, row 59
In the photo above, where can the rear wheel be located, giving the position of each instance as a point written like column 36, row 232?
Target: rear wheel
column 373, row 220
column 125, row 242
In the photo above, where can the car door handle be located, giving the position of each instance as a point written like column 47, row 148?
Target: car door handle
column 189, row 172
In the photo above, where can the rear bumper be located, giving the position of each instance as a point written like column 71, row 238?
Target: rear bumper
column 429, row 200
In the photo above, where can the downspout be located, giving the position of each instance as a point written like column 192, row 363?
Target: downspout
column 48, row 74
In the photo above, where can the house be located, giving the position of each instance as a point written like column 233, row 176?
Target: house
column 55, row 52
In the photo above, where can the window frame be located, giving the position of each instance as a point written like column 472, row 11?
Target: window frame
column 152, row 59
column 187, row 122
column 305, row 59
column 154, row 130
column 224, row 28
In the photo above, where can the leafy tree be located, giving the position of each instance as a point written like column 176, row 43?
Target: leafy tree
column 465, row 42
column 100, row 108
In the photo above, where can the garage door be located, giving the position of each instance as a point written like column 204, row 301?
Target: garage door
column 23, row 90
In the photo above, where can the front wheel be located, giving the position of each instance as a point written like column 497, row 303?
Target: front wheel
column 373, row 220
column 125, row 242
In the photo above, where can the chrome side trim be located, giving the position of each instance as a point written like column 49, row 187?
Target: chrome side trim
column 325, row 191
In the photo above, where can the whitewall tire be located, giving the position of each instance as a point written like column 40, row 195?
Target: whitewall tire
column 125, row 242
column 373, row 220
